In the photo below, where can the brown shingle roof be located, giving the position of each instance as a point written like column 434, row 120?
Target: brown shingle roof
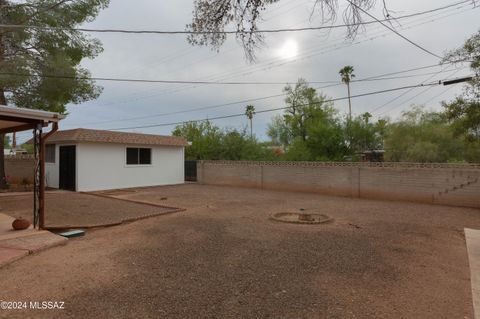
column 101, row 136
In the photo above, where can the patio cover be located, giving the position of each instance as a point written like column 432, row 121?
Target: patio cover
column 13, row 119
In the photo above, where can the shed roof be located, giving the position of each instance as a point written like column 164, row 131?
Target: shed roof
column 102, row 136
column 13, row 119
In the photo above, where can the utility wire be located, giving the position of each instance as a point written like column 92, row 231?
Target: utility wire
column 198, row 82
column 125, row 31
column 396, row 32
column 151, row 81
column 254, row 99
column 245, row 73
column 404, row 93
column 275, row 109
column 413, row 97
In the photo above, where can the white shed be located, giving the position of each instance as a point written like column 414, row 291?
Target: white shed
column 91, row 160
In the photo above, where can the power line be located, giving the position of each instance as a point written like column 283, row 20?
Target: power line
column 415, row 96
column 273, row 64
column 438, row 95
column 151, row 81
column 197, row 82
column 404, row 93
column 174, row 32
column 203, row 108
column 274, row 109
column 395, row 31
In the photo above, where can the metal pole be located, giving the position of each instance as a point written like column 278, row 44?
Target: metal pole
column 37, row 135
column 42, row 175
column 41, row 196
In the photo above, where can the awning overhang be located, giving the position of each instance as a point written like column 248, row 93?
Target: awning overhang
column 14, row 119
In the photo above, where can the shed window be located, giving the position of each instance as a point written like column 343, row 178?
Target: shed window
column 50, row 153
column 139, row 156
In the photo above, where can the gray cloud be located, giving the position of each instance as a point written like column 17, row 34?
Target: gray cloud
column 321, row 55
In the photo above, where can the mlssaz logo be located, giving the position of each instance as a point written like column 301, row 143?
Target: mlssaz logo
column 47, row 305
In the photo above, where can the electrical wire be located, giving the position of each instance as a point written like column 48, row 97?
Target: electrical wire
column 396, row 32
column 274, row 109
column 269, row 65
column 413, row 97
column 215, row 106
column 125, row 31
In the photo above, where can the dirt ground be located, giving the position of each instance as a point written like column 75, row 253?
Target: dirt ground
column 224, row 258
column 63, row 209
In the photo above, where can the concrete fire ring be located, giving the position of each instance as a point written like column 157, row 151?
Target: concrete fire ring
column 301, row 218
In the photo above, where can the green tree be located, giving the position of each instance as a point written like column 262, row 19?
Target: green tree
column 464, row 111
column 309, row 122
column 381, row 130
column 6, row 141
column 347, row 75
column 205, row 139
column 422, row 136
column 249, row 112
column 363, row 135
column 209, row 142
column 326, row 140
column 301, row 100
column 298, row 151
column 40, row 64
column 278, row 132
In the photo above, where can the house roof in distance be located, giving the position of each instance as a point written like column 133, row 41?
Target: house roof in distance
column 102, row 136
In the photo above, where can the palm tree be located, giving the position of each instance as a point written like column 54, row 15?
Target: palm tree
column 347, row 75
column 249, row 111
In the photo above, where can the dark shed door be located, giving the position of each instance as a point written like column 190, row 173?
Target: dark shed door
column 67, row 167
column 191, row 171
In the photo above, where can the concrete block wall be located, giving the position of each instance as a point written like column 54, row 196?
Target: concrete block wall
column 18, row 167
column 445, row 184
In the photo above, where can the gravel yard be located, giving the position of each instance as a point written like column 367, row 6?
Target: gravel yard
column 68, row 209
column 224, row 258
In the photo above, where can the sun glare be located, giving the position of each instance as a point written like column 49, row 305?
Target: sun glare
column 289, row 50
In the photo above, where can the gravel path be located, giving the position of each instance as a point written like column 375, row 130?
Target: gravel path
column 223, row 258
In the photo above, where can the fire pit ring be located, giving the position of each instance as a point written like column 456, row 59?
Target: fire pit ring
column 301, row 218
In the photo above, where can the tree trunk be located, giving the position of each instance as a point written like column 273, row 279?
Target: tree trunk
column 3, row 180
column 349, row 103
column 3, row 101
column 251, row 129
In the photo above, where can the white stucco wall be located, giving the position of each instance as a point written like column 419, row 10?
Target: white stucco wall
column 102, row 166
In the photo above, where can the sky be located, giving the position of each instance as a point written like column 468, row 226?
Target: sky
column 316, row 56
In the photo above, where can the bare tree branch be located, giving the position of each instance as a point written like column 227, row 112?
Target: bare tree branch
column 211, row 17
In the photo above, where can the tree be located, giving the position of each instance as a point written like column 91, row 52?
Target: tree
column 209, row 142
column 464, row 111
column 6, row 141
column 278, row 132
column 309, row 122
column 347, row 75
column 381, row 129
column 363, row 135
column 301, row 100
column 211, row 17
column 40, row 64
column 249, row 112
column 205, row 139
column 422, row 136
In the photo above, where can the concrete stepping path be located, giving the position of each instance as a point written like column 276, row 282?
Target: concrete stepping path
column 472, row 237
column 18, row 244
